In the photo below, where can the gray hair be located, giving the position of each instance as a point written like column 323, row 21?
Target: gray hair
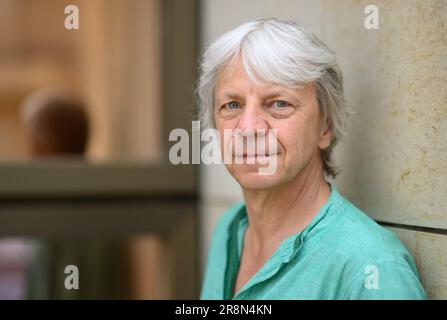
column 280, row 52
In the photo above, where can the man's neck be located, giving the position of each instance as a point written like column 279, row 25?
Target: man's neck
column 276, row 214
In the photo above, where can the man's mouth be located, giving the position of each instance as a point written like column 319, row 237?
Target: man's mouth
column 253, row 158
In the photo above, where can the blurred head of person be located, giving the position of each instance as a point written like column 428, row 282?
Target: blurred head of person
column 57, row 124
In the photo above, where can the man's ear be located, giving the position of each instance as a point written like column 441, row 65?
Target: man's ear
column 325, row 136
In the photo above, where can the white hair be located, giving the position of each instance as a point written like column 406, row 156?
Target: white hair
column 279, row 52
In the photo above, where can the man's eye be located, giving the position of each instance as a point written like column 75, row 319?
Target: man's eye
column 232, row 105
column 280, row 108
column 280, row 104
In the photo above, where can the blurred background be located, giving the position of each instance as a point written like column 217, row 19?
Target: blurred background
column 85, row 177
column 107, row 199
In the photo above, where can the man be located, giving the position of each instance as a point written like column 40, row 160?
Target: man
column 295, row 236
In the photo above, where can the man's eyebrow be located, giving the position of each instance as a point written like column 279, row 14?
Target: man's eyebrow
column 269, row 95
column 273, row 94
column 278, row 93
column 229, row 94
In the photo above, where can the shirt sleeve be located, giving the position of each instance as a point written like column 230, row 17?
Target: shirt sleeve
column 386, row 280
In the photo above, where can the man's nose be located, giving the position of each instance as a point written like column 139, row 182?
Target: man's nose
column 252, row 121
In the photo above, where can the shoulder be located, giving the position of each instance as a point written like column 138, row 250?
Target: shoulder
column 229, row 215
column 222, row 227
column 225, row 221
column 359, row 235
column 215, row 267
column 364, row 248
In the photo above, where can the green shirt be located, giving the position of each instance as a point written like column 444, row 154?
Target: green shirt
column 341, row 254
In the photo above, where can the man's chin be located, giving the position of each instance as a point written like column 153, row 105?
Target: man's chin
column 255, row 181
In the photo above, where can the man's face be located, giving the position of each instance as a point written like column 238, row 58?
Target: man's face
column 254, row 107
